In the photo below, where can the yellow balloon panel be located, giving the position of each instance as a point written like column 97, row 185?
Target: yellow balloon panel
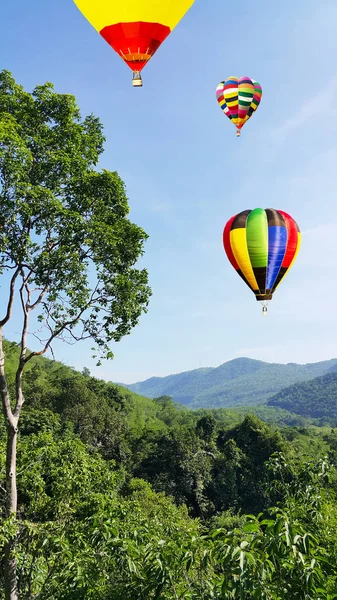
column 239, row 247
column 102, row 13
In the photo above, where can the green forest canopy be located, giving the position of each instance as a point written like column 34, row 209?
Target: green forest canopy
column 123, row 496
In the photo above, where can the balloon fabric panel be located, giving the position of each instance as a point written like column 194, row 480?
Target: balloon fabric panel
column 135, row 42
column 257, row 242
column 221, row 100
column 229, row 252
column 277, row 244
column 231, row 97
column 238, row 242
column 292, row 249
column 133, row 28
column 102, row 13
column 256, row 99
column 227, row 245
column 293, row 239
column 245, row 99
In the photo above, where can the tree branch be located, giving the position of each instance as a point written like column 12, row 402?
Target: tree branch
column 39, row 299
column 205, row 452
column 6, row 405
column 55, row 334
column 11, row 297
column 64, row 326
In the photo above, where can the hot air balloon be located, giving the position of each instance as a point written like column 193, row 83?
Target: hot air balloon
column 134, row 28
column 261, row 245
column 239, row 99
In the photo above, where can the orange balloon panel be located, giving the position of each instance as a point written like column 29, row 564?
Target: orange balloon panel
column 133, row 28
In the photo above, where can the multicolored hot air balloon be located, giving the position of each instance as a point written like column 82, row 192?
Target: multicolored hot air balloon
column 239, row 99
column 134, row 28
column 261, row 245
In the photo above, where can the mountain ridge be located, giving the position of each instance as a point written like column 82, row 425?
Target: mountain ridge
column 240, row 381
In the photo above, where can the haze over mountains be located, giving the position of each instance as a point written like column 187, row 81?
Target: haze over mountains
column 242, row 381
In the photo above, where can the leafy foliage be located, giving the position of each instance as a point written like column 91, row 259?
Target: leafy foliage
column 83, row 534
column 314, row 399
column 122, row 496
column 63, row 226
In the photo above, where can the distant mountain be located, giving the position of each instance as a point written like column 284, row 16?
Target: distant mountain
column 242, row 381
column 314, row 399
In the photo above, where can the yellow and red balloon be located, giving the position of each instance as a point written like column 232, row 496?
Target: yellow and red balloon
column 262, row 245
column 134, row 28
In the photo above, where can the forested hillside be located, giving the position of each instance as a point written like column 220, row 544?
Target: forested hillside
column 314, row 399
column 125, row 497
column 241, row 381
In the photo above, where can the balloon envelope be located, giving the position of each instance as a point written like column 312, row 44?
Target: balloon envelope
column 134, row 28
column 261, row 245
column 238, row 99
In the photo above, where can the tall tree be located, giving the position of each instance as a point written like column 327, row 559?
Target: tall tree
column 67, row 249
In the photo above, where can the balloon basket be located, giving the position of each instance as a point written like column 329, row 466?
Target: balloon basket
column 264, row 299
column 238, row 133
column 137, row 79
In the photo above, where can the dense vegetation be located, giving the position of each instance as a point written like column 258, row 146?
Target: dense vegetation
column 105, row 494
column 241, row 381
column 125, row 497
column 68, row 251
column 314, row 399
column 268, row 414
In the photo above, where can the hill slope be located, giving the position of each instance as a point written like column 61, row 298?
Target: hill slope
column 242, row 381
column 51, row 385
column 314, row 399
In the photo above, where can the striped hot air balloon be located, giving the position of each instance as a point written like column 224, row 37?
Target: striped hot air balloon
column 262, row 245
column 239, row 99
column 134, row 28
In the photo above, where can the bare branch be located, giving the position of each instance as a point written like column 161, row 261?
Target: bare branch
column 64, row 326
column 6, row 405
column 77, row 338
column 11, row 297
column 4, row 266
column 36, row 336
column 205, row 452
column 39, row 300
column 56, row 334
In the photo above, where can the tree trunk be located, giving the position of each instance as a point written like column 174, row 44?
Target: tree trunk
column 11, row 591
column 10, row 568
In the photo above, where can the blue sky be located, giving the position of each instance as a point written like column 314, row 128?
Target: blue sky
column 187, row 174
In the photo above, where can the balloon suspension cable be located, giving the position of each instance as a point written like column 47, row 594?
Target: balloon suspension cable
column 137, row 79
column 238, row 133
